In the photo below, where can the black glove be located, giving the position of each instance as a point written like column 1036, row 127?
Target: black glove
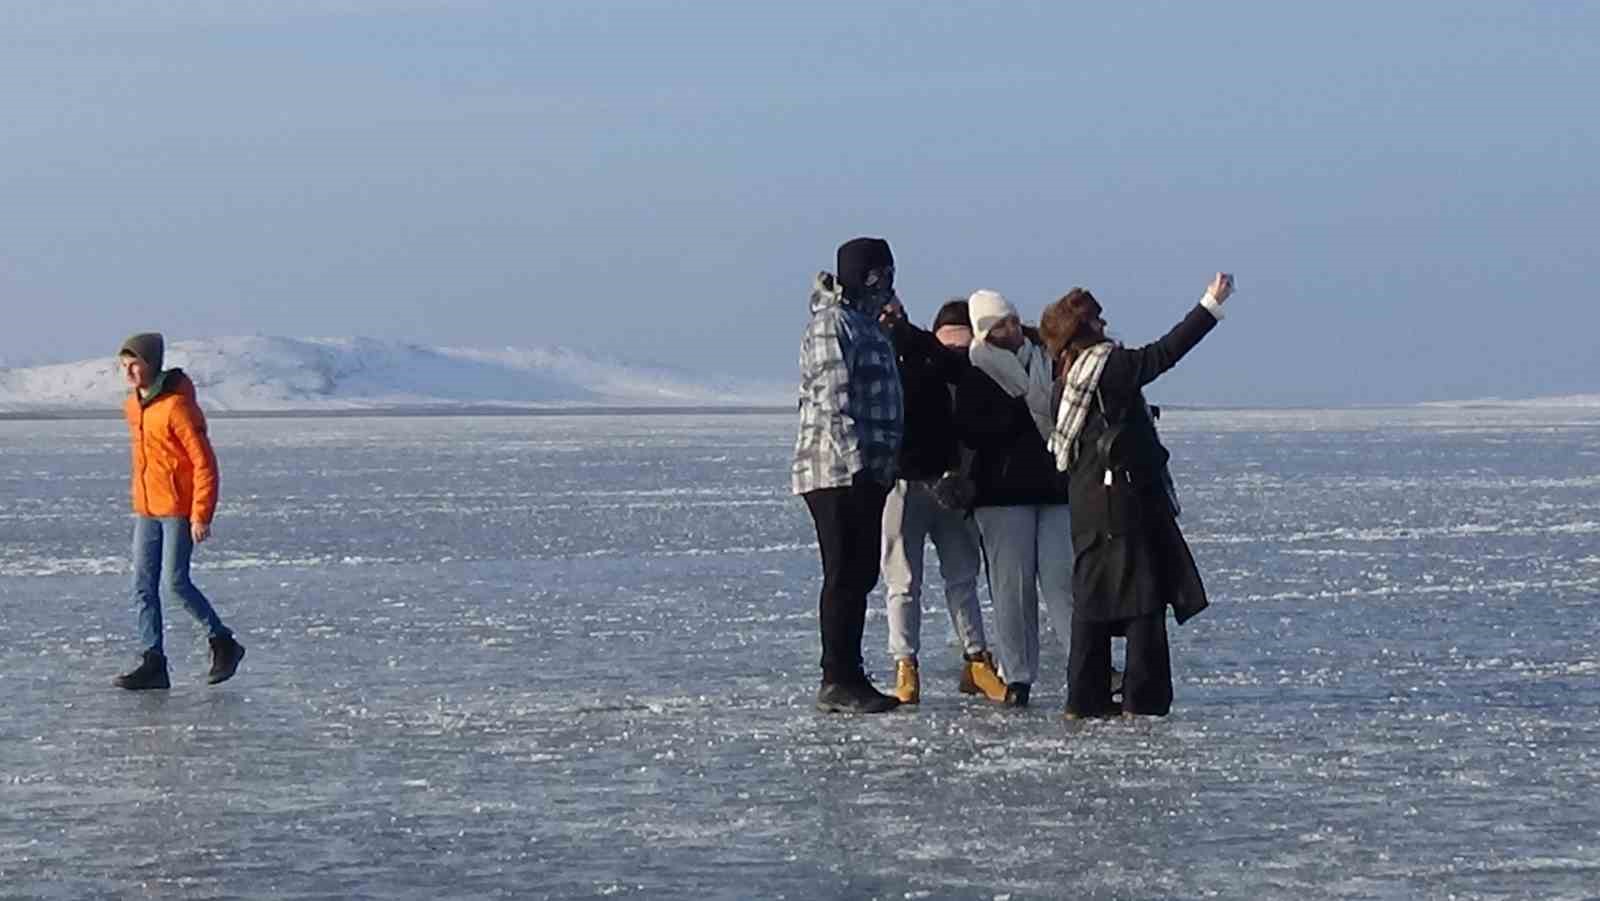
column 954, row 491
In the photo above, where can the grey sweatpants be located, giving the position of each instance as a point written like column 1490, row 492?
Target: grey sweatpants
column 1029, row 552
column 911, row 516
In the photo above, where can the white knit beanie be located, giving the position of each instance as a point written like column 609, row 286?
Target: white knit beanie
column 988, row 309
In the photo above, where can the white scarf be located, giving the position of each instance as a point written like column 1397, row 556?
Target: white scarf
column 1024, row 373
column 1083, row 380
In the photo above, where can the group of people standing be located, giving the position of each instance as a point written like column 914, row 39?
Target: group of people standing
column 1026, row 452
column 1029, row 451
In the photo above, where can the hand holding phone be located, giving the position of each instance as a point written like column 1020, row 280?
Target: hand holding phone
column 1221, row 287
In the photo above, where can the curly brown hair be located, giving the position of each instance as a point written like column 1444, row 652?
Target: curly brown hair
column 1071, row 324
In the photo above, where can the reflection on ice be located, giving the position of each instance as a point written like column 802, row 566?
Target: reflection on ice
column 573, row 658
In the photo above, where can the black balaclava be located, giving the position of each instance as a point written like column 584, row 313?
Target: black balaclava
column 865, row 269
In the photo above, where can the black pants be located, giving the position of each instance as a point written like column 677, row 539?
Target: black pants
column 849, row 525
column 1147, row 682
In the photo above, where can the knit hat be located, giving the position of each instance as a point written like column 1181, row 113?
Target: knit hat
column 862, row 264
column 147, row 346
column 988, row 309
column 953, row 313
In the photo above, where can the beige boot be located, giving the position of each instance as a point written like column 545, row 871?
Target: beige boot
column 907, row 682
column 980, row 677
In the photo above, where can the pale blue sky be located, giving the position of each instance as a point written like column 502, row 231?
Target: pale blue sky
column 1408, row 192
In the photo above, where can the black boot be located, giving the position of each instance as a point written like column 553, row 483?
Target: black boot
column 225, row 656
column 150, row 673
column 854, row 697
column 1017, row 694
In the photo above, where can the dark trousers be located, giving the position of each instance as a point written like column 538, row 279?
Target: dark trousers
column 849, row 525
column 1147, row 682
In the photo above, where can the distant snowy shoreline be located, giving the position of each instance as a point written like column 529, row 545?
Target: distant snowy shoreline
column 363, row 376
column 309, row 377
column 422, row 412
column 1563, row 401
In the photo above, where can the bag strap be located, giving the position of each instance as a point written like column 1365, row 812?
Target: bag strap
column 1104, row 417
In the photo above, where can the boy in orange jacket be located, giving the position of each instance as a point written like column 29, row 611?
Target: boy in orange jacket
column 174, row 497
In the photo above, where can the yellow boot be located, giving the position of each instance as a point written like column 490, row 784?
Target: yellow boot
column 907, row 683
column 979, row 677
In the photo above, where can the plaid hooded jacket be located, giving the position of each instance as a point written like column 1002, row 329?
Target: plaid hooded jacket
column 852, row 412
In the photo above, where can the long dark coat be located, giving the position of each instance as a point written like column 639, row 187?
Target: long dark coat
column 1130, row 557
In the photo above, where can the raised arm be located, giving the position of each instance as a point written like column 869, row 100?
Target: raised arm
column 912, row 341
column 1143, row 365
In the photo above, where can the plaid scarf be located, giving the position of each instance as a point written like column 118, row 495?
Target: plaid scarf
column 1082, row 381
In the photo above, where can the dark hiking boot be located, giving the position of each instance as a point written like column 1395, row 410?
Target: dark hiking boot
column 225, row 656
column 150, row 673
column 854, row 697
column 1107, row 714
column 1017, row 694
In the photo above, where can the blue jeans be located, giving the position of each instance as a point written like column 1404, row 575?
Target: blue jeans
column 161, row 551
column 1029, row 556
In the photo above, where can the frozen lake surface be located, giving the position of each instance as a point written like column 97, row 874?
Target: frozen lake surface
column 575, row 657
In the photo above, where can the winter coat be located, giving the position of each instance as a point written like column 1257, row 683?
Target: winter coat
column 1130, row 557
column 1012, row 466
column 852, row 415
column 174, row 467
column 928, row 370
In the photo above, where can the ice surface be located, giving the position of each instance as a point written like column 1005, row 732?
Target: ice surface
column 574, row 657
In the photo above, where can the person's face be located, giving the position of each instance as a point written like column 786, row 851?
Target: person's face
column 1008, row 334
column 955, row 337
column 881, row 278
column 134, row 371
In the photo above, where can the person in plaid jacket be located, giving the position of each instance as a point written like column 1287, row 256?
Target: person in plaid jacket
column 852, row 419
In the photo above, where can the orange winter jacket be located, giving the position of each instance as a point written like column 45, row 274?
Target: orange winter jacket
column 174, row 468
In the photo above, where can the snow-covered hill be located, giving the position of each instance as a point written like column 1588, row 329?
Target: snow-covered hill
column 319, row 374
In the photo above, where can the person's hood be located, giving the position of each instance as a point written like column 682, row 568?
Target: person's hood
column 827, row 292
column 170, row 381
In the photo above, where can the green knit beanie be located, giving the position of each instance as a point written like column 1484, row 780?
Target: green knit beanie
column 147, row 346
